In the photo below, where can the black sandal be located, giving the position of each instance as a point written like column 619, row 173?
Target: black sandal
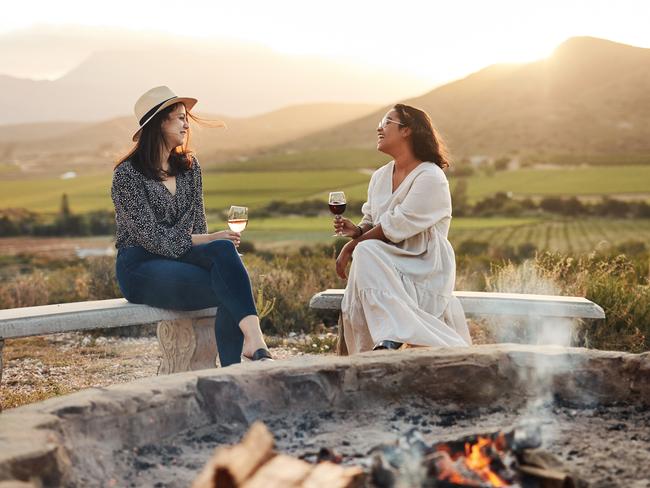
column 261, row 355
column 392, row 345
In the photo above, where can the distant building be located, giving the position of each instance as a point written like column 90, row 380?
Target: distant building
column 479, row 160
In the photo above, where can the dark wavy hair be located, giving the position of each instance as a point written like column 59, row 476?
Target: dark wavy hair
column 426, row 143
column 144, row 155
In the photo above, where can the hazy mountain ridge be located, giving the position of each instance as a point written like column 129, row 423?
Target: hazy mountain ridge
column 589, row 97
column 227, row 77
column 86, row 146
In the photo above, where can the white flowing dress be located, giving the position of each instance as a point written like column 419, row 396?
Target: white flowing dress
column 402, row 290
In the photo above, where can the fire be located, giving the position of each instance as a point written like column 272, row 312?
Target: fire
column 479, row 462
column 474, row 468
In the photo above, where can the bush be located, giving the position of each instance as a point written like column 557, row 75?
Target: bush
column 292, row 281
column 25, row 291
column 101, row 282
column 472, row 247
column 617, row 283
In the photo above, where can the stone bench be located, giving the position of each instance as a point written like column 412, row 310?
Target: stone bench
column 186, row 339
column 489, row 304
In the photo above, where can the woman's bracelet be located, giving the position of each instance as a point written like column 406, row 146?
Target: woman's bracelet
column 360, row 231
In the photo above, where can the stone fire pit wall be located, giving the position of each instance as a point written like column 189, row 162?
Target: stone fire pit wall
column 62, row 440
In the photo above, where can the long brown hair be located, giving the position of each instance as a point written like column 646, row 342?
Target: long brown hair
column 426, row 143
column 144, row 156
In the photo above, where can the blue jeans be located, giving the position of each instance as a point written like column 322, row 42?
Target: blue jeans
column 209, row 275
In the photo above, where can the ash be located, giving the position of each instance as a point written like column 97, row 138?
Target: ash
column 606, row 446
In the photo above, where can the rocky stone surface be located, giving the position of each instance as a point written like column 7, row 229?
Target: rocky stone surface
column 162, row 430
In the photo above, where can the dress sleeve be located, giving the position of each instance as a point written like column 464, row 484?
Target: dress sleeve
column 134, row 212
column 366, row 208
column 200, row 223
column 427, row 203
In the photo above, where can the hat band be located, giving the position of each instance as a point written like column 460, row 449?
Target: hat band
column 146, row 116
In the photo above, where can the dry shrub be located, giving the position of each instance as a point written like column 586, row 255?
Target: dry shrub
column 25, row 291
column 101, row 281
column 615, row 282
column 292, row 281
column 526, row 277
column 66, row 285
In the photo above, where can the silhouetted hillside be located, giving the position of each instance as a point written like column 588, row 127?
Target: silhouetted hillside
column 590, row 97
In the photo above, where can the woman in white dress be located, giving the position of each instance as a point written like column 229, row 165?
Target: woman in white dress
column 403, row 270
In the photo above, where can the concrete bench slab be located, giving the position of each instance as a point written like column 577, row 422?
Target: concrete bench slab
column 186, row 338
column 487, row 304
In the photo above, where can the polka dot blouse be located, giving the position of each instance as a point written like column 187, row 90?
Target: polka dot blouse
column 148, row 215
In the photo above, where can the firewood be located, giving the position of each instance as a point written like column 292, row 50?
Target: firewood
column 280, row 472
column 332, row 475
column 230, row 467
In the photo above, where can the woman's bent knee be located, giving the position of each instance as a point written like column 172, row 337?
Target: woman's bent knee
column 222, row 246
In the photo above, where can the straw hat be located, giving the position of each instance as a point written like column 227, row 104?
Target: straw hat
column 155, row 100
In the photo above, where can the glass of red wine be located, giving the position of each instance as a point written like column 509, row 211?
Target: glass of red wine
column 337, row 205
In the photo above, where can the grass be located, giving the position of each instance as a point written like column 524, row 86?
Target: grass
column 568, row 181
column 253, row 189
column 319, row 229
column 298, row 176
column 259, row 188
column 570, row 236
column 312, row 160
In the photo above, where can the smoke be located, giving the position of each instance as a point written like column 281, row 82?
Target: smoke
column 537, row 371
column 531, row 329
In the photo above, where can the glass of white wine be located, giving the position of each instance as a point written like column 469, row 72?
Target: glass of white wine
column 237, row 219
column 337, row 204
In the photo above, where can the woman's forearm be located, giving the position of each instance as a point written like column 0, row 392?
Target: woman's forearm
column 200, row 239
column 363, row 228
column 370, row 232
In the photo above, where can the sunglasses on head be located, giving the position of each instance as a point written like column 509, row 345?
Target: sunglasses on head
column 387, row 120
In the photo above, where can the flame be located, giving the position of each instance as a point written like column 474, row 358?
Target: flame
column 476, row 460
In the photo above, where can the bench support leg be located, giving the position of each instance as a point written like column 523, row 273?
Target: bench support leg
column 341, row 347
column 186, row 345
column 2, row 345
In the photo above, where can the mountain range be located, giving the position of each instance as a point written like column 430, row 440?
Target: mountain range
column 228, row 77
column 56, row 147
column 590, row 96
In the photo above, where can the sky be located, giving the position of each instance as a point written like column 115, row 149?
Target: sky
column 436, row 40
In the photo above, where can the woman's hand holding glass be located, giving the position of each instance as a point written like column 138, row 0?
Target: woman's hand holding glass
column 345, row 227
column 230, row 235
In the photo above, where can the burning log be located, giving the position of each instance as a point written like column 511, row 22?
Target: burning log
column 254, row 464
column 491, row 460
column 498, row 459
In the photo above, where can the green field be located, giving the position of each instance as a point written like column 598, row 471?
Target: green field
column 253, row 189
column 577, row 236
column 314, row 160
column 571, row 236
column 319, row 229
column 257, row 188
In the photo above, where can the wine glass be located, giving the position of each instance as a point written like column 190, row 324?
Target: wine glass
column 337, row 203
column 237, row 219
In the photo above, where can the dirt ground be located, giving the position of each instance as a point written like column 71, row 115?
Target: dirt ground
column 55, row 247
column 37, row 368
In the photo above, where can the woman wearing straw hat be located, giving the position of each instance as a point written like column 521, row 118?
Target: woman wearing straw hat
column 166, row 257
